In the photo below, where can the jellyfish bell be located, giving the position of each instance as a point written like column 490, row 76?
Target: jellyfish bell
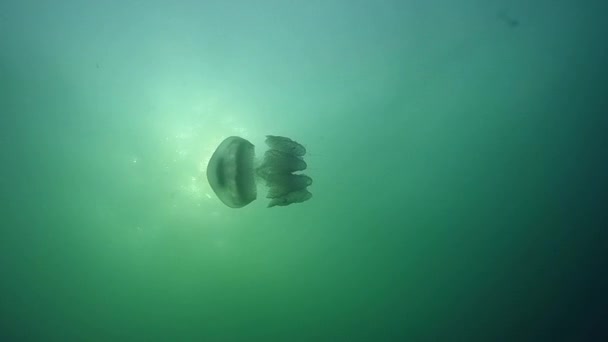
column 230, row 172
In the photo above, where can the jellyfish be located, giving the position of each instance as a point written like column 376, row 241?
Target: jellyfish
column 233, row 172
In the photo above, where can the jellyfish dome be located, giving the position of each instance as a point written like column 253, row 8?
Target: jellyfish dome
column 232, row 174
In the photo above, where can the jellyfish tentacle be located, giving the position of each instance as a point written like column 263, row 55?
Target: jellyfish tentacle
column 280, row 185
column 280, row 162
column 292, row 197
column 286, row 145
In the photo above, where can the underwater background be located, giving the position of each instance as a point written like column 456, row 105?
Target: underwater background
column 458, row 151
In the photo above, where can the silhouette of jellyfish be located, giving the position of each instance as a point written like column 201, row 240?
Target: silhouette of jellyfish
column 232, row 174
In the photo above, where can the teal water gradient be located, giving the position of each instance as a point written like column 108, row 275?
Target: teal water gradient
column 459, row 166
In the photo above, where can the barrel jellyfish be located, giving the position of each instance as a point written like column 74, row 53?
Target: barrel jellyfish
column 233, row 172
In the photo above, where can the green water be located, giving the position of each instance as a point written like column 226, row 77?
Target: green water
column 458, row 157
